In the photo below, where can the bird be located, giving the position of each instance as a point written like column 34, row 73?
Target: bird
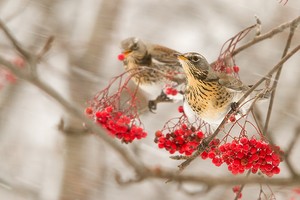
column 209, row 95
column 152, row 67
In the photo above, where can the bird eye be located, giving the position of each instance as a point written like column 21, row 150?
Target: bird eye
column 195, row 58
column 134, row 46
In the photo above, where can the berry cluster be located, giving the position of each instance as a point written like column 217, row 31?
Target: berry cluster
column 171, row 91
column 183, row 140
column 244, row 154
column 117, row 123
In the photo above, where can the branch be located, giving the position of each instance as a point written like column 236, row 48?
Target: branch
column 275, row 82
column 14, row 41
column 213, row 181
column 73, row 109
column 267, row 35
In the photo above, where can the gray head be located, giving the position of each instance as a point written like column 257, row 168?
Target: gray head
column 133, row 46
column 194, row 64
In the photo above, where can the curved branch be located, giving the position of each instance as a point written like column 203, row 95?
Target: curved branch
column 73, row 109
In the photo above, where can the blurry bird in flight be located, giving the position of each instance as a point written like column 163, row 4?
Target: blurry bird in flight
column 209, row 94
column 152, row 67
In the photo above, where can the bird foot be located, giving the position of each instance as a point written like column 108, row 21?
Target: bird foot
column 234, row 106
column 152, row 104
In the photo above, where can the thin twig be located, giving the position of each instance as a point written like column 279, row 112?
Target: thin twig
column 277, row 76
column 46, row 47
column 267, row 35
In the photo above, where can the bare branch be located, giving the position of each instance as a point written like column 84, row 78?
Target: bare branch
column 275, row 82
column 14, row 41
column 267, row 35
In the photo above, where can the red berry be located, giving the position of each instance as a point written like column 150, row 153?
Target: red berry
column 158, row 134
column 268, row 158
column 228, row 70
column 232, row 118
column 240, row 155
column 236, row 188
column 211, row 154
column 98, row 114
column 168, row 91
column 121, row 57
column 174, row 92
column 180, row 109
column 244, row 140
column 200, row 135
column 109, row 109
column 204, row 155
column 89, row 110
column 236, row 69
column 253, row 142
column 253, row 150
column 276, row 170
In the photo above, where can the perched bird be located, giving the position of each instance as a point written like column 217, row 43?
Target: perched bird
column 152, row 67
column 209, row 95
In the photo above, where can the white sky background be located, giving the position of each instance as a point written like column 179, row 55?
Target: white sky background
column 32, row 150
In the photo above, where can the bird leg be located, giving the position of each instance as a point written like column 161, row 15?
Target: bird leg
column 234, row 106
column 152, row 104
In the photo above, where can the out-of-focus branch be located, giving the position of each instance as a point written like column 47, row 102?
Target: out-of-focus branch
column 210, row 181
column 14, row 41
column 73, row 109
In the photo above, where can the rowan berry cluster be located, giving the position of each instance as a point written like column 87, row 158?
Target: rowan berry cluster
column 183, row 140
column 117, row 123
column 244, row 154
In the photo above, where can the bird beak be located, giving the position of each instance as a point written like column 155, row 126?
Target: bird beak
column 126, row 53
column 181, row 57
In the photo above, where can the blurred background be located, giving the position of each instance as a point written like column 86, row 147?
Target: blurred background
column 39, row 161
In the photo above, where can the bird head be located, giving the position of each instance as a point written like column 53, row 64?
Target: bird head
column 194, row 65
column 133, row 47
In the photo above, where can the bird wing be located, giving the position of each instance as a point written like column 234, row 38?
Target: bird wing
column 232, row 83
column 164, row 54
